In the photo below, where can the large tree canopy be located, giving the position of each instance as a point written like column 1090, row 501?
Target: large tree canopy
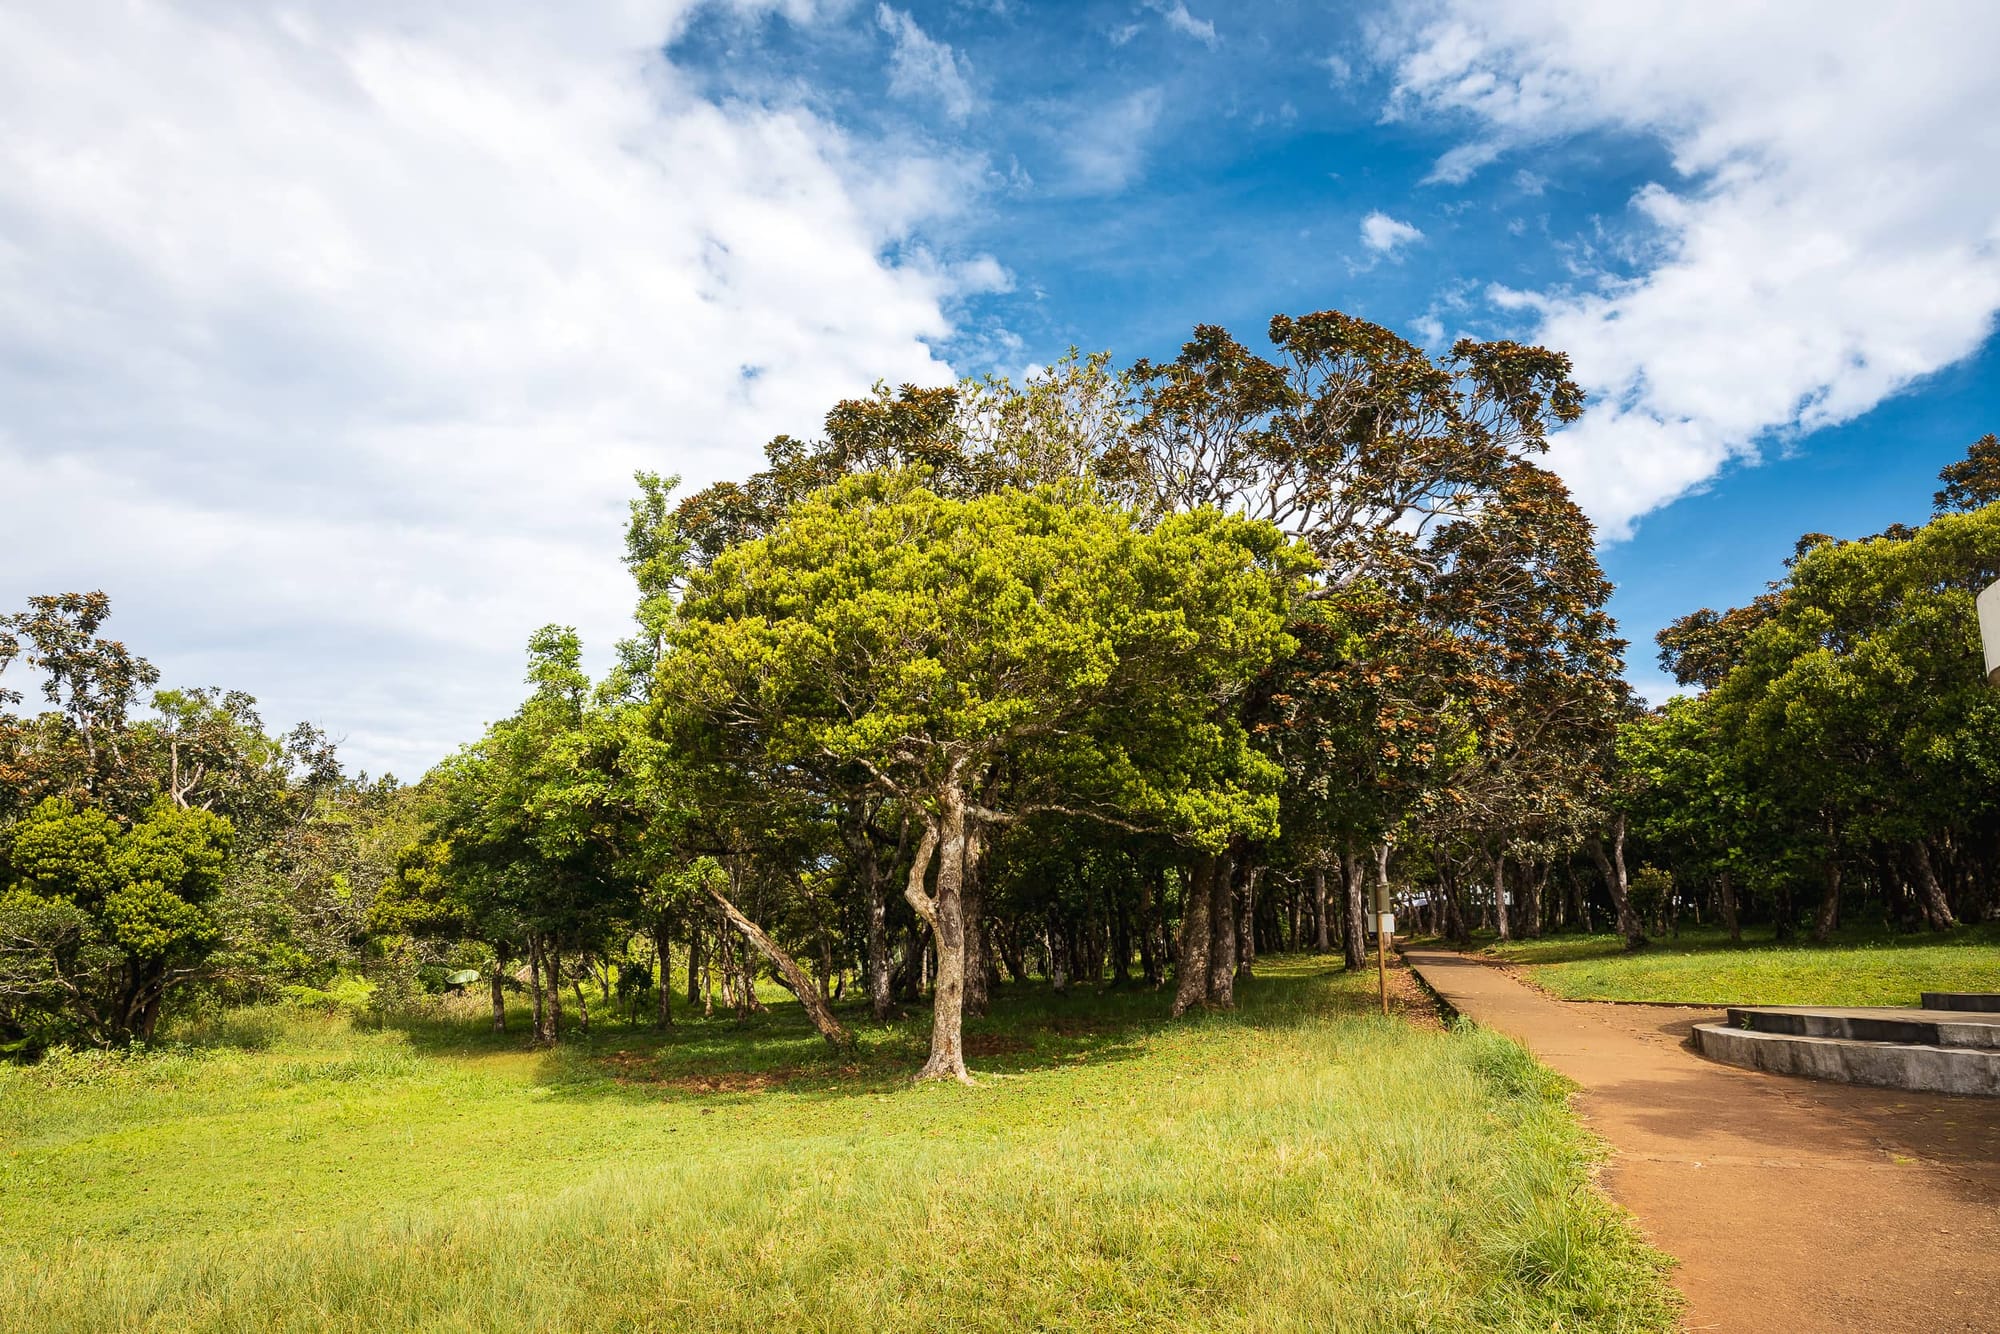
column 982, row 659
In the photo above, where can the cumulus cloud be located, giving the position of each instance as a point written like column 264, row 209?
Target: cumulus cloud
column 1831, row 233
column 330, row 336
column 1383, row 234
column 923, row 67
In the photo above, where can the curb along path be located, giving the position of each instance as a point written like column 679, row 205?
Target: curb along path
column 1792, row 1205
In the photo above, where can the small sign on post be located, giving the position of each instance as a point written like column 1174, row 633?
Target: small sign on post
column 1989, row 631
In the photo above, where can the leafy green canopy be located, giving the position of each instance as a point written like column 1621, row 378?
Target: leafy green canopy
column 918, row 639
column 96, row 922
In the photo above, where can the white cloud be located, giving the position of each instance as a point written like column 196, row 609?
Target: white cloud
column 1181, row 21
column 1383, row 234
column 329, row 337
column 1832, row 233
column 923, row 67
column 1106, row 146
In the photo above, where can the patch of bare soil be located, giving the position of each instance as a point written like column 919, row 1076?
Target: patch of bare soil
column 995, row 1044
column 730, row 1081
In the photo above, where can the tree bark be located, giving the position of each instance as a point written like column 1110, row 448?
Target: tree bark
column 1828, row 915
column 552, row 960
column 695, row 964
column 1246, row 922
column 972, row 894
column 1321, row 941
column 795, row 977
column 880, row 998
column 663, row 946
column 1725, row 893
column 1121, row 944
column 535, row 988
column 1356, row 936
column 1500, row 914
column 1937, row 908
column 1616, row 883
column 500, row 959
column 1222, row 942
column 1191, row 963
column 1537, row 877
column 945, row 913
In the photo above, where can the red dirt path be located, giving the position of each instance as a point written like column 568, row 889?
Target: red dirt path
column 1793, row 1205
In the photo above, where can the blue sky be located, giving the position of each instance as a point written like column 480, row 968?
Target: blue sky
column 330, row 335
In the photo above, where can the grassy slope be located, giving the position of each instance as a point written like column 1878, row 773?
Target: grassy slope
column 1703, row 967
column 1301, row 1164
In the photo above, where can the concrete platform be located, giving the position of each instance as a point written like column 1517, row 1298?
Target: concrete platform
column 1987, row 1001
column 1937, row 1028
column 1929, row 1050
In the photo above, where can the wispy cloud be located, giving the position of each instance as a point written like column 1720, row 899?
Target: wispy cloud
column 1107, row 146
column 1832, row 232
column 1179, row 20
column 922, row 67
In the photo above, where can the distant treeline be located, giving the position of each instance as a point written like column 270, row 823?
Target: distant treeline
column 1109, row 676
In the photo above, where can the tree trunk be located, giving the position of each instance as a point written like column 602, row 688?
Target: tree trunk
column 1009, row 941
column 795, row 977
column 1828, row 915
column 1456, row 928
column 973, row 896
column 552, row 960
column 1121, row 944
column 1937, row 909
column 1056, row 946
column 1191, row 963
column 499, row 980
column 1500, row 914
column 1725, row 892
column 945, row 912
column 582, row 1004
column 663, row 946
column 1616, row 883
column 1356, row 936
column 695, row 963
column 1246, row 923
column 1321, row 941
column 542, row 1034
column 1222, row 934
column 880, row 999
column 1537, row 877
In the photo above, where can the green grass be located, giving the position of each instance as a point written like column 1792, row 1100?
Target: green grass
column 1702, row 967
column 1301, row 1164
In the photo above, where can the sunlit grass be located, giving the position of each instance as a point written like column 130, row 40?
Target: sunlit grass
column 1702, row 967
column 1302, row 1164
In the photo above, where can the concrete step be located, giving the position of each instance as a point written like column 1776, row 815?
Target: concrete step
column 1922, row 1067
column 1929, row 1027
column 1979, row 1001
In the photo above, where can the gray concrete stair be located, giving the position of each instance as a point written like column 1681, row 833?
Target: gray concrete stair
column 1932, row 1050
column 1983, row 1001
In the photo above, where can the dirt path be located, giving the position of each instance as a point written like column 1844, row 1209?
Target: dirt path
column 1793, row 1205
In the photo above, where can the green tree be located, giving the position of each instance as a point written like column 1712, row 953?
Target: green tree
column 98, row 924
column 925, row 640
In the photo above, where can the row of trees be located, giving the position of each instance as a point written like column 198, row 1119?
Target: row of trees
column 181, row 850
column 1842, row 757
column 1129, row 675
column 1103, row 673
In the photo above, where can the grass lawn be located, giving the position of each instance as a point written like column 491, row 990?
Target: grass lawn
column 1301, row 1164
column 1702, row 967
